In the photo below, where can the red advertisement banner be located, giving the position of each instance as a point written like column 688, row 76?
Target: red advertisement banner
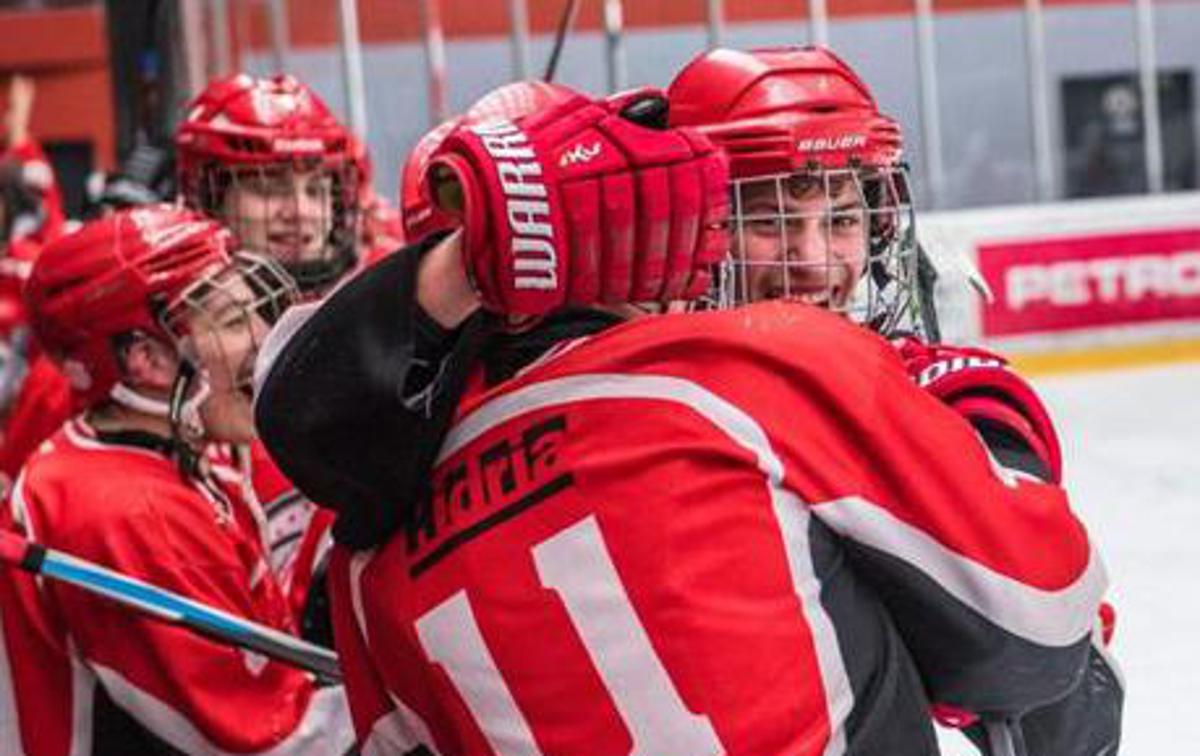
column 1085, row 281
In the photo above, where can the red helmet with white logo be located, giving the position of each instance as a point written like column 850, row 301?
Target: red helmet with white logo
column 257, row 135
column 807, row 145
column 782, row 109
column 113, row 278
column 420, row 214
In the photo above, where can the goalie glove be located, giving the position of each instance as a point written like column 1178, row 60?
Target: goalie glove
column 979, row 386
column 579, row 203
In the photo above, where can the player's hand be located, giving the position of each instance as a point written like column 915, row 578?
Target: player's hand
column 978, row 385
column 578, row 203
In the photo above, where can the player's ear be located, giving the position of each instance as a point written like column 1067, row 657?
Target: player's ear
column 147, row 364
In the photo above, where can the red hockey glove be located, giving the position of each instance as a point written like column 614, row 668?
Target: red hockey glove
column 577, row 204
column 978, row 384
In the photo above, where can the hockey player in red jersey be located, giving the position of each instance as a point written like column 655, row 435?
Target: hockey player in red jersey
column 34, row 397
column 268, row 158
column 821, row 213
column 702, row 533
column 127, row 484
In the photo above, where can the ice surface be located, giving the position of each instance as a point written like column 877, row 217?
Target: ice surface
column 1132, row 460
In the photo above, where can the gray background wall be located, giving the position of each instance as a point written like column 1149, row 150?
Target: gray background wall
column 982, row 77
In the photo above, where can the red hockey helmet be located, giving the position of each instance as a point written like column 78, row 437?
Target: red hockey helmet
column 256, row 134
column 807, row 145
column 782, row 109
column 114, row 277
column 420, row 214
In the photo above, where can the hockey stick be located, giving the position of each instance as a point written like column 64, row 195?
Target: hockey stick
column 565, row 22
column 167, row 606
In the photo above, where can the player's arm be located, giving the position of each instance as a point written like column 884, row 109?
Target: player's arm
column 1001, row 405
column 993, row 631
column 1085, row 722
column 388, row 353
column 382, row 369
column 1017, row 430
column 988, row 575
column 444, row 292
column 194, row 694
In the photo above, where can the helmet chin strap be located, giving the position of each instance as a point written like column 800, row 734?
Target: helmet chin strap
column 130, row 399
column 187, row 427
column 183, row 411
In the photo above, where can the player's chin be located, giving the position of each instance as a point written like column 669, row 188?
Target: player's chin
column 229, row 419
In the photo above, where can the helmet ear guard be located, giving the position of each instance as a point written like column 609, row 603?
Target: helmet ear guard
column 188, row 394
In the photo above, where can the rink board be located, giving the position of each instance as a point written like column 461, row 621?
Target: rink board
column 1075, row 285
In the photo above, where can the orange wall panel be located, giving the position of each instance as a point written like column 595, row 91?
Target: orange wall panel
column 63, row 112
column 66, row 53
column 44, row 39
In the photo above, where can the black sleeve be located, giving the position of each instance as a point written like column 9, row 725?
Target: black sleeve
column 1010, row 449
column 355, row 404
column 1087, row 720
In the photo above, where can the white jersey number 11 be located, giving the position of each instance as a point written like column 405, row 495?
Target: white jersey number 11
column 574, row 563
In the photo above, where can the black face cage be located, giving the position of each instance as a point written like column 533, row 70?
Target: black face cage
column 881, row 257
column 208, row 190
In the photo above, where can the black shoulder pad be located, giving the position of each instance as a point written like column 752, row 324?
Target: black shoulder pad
column 329, row 408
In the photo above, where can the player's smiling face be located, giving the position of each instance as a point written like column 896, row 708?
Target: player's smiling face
column 283, row 211
column 220, row 322
column 800, row 238
column 225, row 335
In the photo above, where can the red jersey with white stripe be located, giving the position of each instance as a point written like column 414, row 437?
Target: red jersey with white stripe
column 81, row 675
column 713, row 533
column 297, row 530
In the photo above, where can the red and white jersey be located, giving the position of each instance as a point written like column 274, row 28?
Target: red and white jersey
column 81, row 675
column 41, row 405
column 296, row 530
column 716, row 533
